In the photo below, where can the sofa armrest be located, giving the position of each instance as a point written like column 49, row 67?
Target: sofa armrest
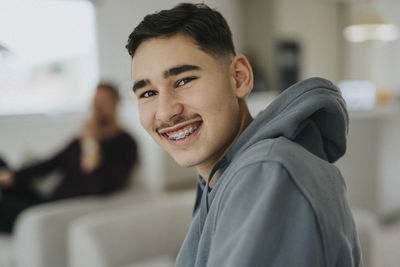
column 40, row 235
column 131, row 234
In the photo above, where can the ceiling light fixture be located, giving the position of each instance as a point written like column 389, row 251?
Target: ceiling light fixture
column 372, row 25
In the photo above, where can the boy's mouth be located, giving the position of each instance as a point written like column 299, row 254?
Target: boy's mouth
column 181, row 131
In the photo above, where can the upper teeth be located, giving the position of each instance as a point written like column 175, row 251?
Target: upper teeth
column 183, row 134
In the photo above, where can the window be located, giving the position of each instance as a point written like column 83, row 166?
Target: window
column 48, row 54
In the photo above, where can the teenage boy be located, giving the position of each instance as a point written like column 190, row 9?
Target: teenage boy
column 268, row 193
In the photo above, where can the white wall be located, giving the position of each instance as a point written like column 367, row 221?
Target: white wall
column 29, row 137
column 371, row 164
column 313, row 24
column 257, row 36
column 318, row 26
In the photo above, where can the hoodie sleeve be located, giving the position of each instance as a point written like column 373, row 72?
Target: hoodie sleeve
column 32, row 171
column 265, row 220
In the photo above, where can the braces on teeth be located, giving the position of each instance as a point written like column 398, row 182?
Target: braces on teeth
column 182, row 135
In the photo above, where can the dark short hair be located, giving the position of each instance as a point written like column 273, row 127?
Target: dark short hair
column 206, row 26
column 111, row 88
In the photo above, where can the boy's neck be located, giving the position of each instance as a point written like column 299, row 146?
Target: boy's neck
column 246, row 119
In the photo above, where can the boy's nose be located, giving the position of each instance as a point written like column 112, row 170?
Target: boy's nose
column 168, row 107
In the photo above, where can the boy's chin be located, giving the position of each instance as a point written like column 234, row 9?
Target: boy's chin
column 184, row 162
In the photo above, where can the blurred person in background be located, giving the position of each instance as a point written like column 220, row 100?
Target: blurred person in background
column 97, row 162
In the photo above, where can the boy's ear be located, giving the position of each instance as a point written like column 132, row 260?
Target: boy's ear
column 242, row 76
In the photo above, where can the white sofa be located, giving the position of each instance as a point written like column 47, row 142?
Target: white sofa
column 40, row 236
column 41, row 232
column 93, row 231
column 149, row 234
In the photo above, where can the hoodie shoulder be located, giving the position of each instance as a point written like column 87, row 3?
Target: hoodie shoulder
column 281, row 163
column 311, row 113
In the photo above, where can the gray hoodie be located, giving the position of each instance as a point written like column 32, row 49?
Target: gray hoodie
column 278, row 199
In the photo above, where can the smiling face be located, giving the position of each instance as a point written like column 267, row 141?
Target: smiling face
column 189, row 101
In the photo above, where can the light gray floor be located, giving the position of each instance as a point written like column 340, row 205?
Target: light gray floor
column 389, row 247
column 5, row 250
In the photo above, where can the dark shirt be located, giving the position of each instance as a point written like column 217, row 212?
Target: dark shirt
column 2, row 163
column 119, row 154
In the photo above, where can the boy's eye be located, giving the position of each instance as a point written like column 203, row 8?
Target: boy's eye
column 184, row 81
column 148, row 94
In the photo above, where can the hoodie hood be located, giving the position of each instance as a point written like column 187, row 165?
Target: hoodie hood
column 311, row 113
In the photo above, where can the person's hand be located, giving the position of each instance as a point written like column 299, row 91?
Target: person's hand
column 90, row 130
column 91, row 155
column 6, row 177
column 89, row 162
column 90, row 149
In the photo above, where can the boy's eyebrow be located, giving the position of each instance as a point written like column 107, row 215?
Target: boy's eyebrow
column 179, row 69
column 168, row 73
column 139, row 84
